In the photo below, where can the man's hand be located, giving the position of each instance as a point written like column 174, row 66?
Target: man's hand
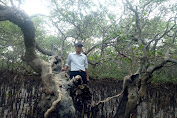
column 63, row 69
column 88, row 79
column 87, row 75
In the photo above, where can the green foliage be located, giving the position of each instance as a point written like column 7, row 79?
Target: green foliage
column 11, row 45
column 108, row 66
column 166, row 75
column 109, row 70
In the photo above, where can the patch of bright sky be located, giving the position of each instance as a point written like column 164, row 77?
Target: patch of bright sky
column 32, row 7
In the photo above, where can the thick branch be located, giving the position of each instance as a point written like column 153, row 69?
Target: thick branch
column 151, row 69
column 51, row 82
column 92, row 48
column 140, row 40
column 21, row 19
column 46, row 52
column 24, row 22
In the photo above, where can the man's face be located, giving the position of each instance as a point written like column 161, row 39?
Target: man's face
column 78, row 49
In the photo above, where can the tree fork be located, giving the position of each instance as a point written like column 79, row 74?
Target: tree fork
column 55, row 86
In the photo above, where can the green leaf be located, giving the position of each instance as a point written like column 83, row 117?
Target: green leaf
column 123, row 38
column 160, row 53
column 133, row 48
column 110, row 17
column 141, row 46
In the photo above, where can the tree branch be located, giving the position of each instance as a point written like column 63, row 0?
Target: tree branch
column 167, row 59
column 19, row 3
column 147, row 3
column 12, row 3
column 49, row 53
column 140, row 40
column 92, row 48
column 52, row 83
column 167, row 30
column 3, row 3
column 174, row 36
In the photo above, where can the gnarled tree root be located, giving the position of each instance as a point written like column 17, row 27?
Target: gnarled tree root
column 54, row 104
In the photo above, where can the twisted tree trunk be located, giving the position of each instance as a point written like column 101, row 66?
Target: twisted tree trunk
column 56, row 87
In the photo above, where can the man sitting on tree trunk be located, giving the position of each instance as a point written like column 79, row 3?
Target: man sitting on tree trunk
column 79, row 64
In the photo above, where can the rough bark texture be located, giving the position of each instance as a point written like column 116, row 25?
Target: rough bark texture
column 56, row 100
column 128, row 98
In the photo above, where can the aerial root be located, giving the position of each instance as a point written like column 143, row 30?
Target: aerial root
column 107, row 99
column 54, row 104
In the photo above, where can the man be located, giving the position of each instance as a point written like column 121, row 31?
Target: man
column 79, row 64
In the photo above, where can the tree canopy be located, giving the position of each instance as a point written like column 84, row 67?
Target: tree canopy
column 115, row 34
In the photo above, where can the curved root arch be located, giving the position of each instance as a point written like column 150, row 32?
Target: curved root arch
column 51, row 85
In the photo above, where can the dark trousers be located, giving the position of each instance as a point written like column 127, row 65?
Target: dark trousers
column 81, row 73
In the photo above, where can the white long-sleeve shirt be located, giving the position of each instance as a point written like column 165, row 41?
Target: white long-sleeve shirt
column 77, row 62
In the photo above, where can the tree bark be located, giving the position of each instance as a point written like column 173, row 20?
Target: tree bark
column 56, row 87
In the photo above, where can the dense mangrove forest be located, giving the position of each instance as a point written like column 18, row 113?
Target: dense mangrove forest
column 130, row 47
